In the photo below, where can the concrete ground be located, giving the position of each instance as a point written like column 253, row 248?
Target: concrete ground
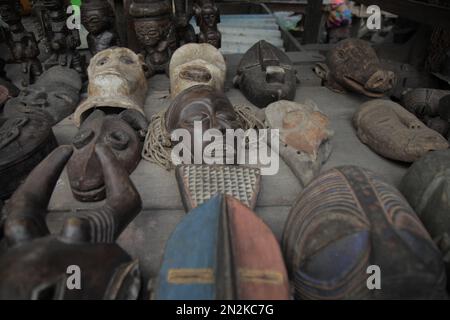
column 146, row 236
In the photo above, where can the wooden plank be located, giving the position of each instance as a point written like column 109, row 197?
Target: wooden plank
column 313, row 19
column 418, row 11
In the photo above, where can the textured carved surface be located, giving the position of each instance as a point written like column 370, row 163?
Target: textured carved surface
column 194, row 64
column 122, row 133
column 116, row 80
column 35, row 264
column 232, row 255
column 426, row 186
column 25, row 139
column 97, row 17
column 208, row 105
column 348, row 219
column 423, row 102
column 56, row 93
column 353, row 65
column 393, row 132
column 305, row 136
column 265, row 75
column 199, row 183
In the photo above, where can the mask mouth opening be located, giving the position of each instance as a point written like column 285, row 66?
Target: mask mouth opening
column 275, row 74
column 196, row 74
column 361, row 89
column 93, row 195
column 107, row 110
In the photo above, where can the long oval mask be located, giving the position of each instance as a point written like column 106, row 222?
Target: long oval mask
column 393, row 132
column 265, row 75
column 122, row 133
column 348, row 220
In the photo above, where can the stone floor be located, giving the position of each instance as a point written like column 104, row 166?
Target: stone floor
column 146, row 236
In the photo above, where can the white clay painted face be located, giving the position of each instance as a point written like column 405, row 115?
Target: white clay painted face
column 118, row 71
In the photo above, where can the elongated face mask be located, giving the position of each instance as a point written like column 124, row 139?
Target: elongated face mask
column 122, row 133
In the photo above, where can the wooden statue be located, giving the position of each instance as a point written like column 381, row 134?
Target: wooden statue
column 61, row 42
column 22, row 43
column 155, row 31
column 97, row 16
column 207, row 16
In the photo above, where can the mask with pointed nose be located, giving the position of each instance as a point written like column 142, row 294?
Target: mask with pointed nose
column 122, row 133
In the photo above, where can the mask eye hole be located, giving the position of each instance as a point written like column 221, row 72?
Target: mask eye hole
column 102, row 61
column 83, row 138
column 126, row 60
column 118, row 139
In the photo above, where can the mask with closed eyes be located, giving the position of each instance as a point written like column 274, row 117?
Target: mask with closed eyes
column 56, row 93
column 202, row 104
column 122, row 133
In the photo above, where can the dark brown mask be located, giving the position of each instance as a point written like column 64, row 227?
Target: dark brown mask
column 203, row 104
column 56, row 93
column 123, row 133
column 354, row 65
column 35, row 264
column 25, row 139
column 265, row 75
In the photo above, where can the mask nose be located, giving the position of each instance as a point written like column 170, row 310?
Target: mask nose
column 382, row 80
